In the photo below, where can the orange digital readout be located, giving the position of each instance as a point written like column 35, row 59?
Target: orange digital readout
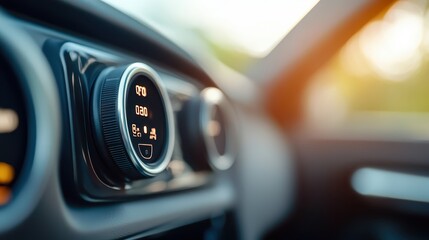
column 7, row 173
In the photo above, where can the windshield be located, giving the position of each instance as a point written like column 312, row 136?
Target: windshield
column 237, row 32
column 378, row 79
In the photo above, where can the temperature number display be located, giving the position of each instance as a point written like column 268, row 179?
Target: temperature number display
column 146, row 118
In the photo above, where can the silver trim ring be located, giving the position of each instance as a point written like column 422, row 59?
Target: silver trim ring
column 213, row 97
column 127, row 76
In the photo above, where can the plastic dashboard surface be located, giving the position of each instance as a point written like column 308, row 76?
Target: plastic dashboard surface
column 91, row 175
column 73, row 194
column 68, row 195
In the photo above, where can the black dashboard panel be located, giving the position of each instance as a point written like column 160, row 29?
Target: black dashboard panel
column 95, row 179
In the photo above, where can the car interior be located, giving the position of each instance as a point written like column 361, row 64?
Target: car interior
column 125, row 119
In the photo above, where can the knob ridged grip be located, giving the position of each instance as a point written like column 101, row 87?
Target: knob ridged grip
column 111, row 129
column 109, row 121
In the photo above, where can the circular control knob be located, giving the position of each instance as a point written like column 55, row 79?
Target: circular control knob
column 207, row 131
column 133, row 120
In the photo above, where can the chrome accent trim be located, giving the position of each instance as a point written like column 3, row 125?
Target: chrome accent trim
column 391, row 184
column 216, row 160
column 129, row 73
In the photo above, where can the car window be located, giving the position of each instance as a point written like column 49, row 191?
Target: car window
column 380, row 76
column 237, row 32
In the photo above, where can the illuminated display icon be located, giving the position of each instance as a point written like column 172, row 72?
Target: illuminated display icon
column 145, row 129
column 136, row 131
column 152, row 134
column 7, row 173
column 146, row 150
column 142, row 111
column 9, row 120
column 141, row 91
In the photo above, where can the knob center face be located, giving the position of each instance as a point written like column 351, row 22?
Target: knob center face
column 145, row 119
column 133, row 121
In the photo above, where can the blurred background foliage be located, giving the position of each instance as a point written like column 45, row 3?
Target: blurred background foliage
column 385, row 66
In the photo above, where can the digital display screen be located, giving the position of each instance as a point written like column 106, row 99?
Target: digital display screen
column 146, row 119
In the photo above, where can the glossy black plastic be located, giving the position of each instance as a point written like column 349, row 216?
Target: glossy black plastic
column 95, row 180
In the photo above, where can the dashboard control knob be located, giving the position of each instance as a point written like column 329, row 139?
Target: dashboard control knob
column 133, row 120
column 206, row 126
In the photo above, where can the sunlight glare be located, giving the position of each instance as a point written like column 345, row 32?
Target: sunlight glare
column 391, row 45
column 251, row 26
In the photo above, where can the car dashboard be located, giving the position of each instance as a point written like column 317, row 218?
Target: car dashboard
column 109, row 130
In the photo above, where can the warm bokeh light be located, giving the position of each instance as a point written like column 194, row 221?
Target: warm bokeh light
column 7, row 173
column 8, row 120
column 392, row 45
column 379, row 78
column 213, row 128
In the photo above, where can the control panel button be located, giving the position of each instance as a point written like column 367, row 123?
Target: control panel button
column 207, row 128
column 133, row 120
column 146, row 150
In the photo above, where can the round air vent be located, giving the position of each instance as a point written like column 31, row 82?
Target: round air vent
column 208, row 132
